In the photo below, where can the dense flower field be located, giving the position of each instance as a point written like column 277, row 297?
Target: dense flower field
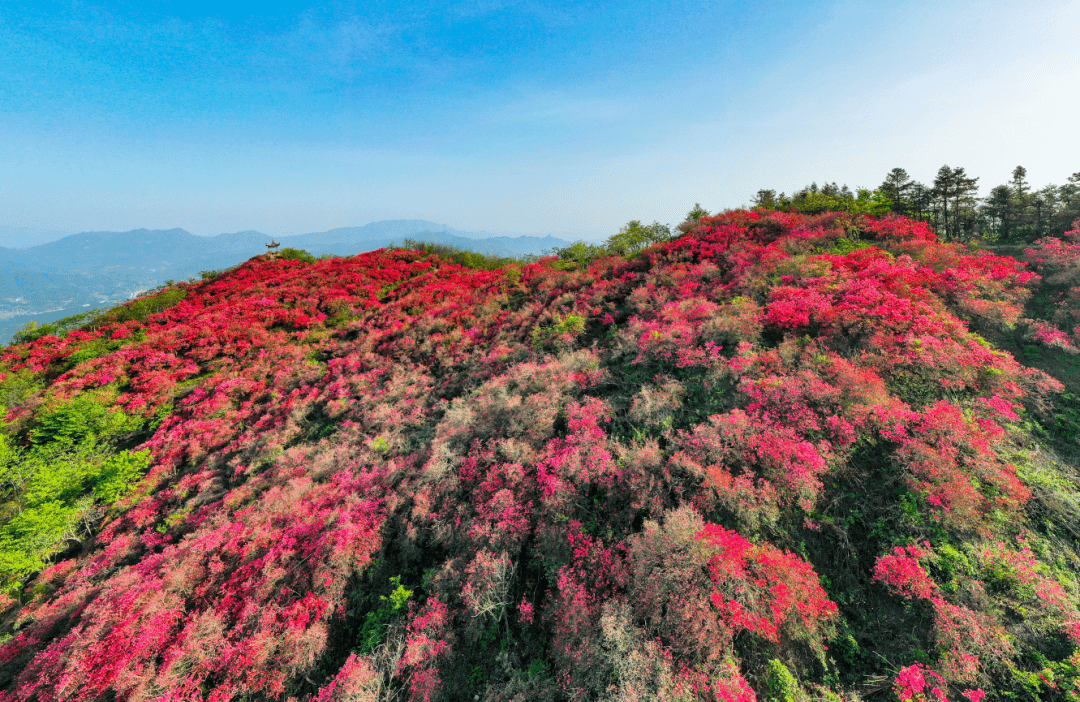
column 772, row 458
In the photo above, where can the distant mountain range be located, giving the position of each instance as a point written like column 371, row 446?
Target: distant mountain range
column 96, row 269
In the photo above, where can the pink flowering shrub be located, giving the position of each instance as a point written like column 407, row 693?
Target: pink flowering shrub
column 917, row 683
column 1050, row 335
column 775, row 438
column 904, row 575
column 357, row 681
column 1058, row 260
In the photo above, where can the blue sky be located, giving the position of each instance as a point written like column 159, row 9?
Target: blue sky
column 568, row 118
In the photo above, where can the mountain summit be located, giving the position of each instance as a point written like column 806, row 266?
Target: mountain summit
column 94, row 269
column 776, row 457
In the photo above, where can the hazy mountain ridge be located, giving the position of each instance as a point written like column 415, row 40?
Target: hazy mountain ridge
column 93, row 269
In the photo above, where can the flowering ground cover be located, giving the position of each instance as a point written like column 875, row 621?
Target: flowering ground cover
column 774, row 458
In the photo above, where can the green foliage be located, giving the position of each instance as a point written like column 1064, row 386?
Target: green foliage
column 52, row 491
column 57, row 497
column 570, row 324
column 118, row 474
column 873, row 202
column 809, row 202
column 32, row 331
column 33, row 535
column 1063, row 421
column 697, row 213
column 846, row 648
column 291, row 254
column 468, row 259
column 174, row 519
column 538, row 669
column 143, row 307
column 631, row 240
column 579, row 255
column 1032, row 353
column 15, row 388
column 953, row 563
column 780, row 683
column 636, row 237
column 843, row 245
column 400, row 596
column 82, row 420
column 101, row 346
column 827, row 198
column 488, row 649
column 561, row 334
column 393, row 607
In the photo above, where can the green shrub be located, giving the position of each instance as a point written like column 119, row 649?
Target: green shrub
column 780, row 684
column 52, row 498
column 119, row 474
column 31, row 536
column 468, row 259
column 1063, row 421
column 53, row 490
column 392, row 607
column 143, row 307
column 579, row 255
column 15, row 388
column 844, row 245
column 631, row 240
column 101, row 346
column 559, row 334
column 81, row 420
column 32, row 331
column 636, row 237
column 291, row 254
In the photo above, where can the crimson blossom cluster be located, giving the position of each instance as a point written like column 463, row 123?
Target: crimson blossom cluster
column 772, row 458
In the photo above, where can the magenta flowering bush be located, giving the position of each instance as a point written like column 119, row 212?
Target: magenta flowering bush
column 1058, row 260
column 774, row 441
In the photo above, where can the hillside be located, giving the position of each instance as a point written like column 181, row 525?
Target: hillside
column 778, row 457
column 51, row 281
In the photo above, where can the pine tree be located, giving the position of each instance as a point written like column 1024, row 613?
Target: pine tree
column 766, row 199
column 1020, row 189
column 897, row 187
column 944, row 186
column 997, row 211
column 1068, row 205
column 954, row 195
column 965, row 205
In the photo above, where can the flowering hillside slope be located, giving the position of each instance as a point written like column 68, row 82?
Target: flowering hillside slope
column 768, row 459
